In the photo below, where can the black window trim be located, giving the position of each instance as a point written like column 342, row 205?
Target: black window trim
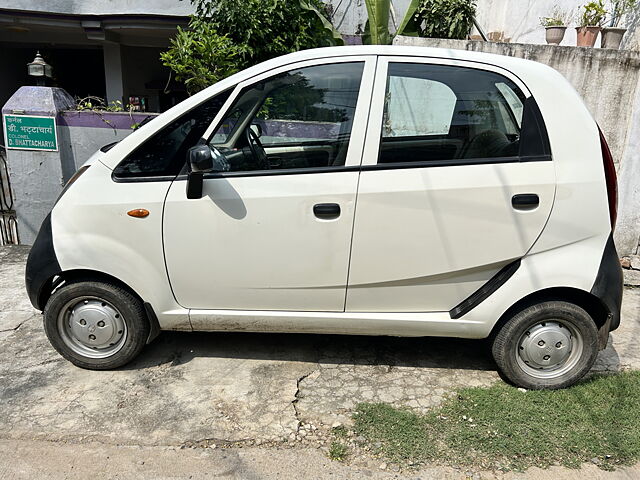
column 456, row 162
column 157, row 178
column 364, row 168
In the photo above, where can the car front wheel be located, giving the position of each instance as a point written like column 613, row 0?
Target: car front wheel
column 547, row 346
column 96, row 325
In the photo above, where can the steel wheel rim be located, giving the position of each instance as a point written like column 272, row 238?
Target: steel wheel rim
column 549, row 349
column 92, row 327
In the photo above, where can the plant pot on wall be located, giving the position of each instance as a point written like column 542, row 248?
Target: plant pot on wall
column 555, row 34
column 586, row 36
column 612, row 37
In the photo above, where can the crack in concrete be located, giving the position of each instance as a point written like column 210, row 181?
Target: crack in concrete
column 294, row 402
column 14, row 328
column 218, row 442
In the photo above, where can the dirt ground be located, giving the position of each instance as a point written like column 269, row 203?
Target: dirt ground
column 222, row 405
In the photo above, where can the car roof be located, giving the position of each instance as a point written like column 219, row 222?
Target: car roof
column 400, row 50
column 507, row 62
column 517, row 66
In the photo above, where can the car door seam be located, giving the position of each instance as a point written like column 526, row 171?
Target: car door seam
column 355, row 201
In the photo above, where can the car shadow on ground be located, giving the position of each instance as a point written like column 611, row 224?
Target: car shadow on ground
column 176, row 348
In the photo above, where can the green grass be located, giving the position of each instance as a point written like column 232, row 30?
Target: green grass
column 504, row 428
column 340, row 431
column 338, row 451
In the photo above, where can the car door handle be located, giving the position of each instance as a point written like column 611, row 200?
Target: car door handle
column 525, row 201
column 326, row 211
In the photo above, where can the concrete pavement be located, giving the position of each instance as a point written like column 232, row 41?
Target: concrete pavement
column 254, row 396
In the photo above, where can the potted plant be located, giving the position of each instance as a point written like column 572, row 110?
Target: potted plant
column 590, row 22
column 555, row 25
column 612, row 35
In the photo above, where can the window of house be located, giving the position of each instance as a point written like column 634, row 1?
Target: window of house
column 442, row 112
column 165, row 153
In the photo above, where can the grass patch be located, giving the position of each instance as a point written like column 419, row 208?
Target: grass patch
column 338, row 451
column 504, row 428
column 340, row 431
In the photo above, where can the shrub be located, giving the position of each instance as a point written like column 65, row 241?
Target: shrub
column 445, row 18
column 225, row 36
column 200, row 56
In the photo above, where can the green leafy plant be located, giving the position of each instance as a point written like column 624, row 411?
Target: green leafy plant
column 200, row 56
column 377, row 27
column 225, row 36
column 97, row 104
column 593, row 14
column 558, row 17
column 620, row 8
column 439, row 18
column 100, row 106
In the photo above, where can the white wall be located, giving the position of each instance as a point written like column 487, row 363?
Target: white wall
column 518, row 19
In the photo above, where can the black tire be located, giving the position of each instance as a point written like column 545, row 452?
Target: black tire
column 506, row 347
column 128, row 305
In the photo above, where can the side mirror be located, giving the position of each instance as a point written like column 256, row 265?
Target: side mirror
column 200, row 159
column 203, row 159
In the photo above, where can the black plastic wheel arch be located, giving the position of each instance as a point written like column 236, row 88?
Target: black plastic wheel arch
column 609, row 283
column 42, row 265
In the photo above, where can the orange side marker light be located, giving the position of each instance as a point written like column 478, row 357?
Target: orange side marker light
column 138, row 213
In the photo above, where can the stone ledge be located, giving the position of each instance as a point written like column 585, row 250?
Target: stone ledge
column 531, row 51
column 101, row 119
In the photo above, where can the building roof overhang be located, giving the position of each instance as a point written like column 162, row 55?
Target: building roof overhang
column 18, row 26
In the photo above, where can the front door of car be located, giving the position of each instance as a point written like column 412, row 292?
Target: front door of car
column 273, row 231
column 457, row 182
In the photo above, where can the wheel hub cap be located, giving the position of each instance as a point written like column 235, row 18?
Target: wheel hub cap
column 550, row 349
column 546, row 345
column 92, row 327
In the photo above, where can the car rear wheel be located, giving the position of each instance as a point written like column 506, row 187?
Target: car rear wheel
column 547, row 346
column 96, row 325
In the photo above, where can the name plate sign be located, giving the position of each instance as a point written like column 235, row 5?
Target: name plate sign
column 26, row 132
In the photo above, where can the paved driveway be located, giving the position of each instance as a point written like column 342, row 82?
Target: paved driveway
column 205, row 388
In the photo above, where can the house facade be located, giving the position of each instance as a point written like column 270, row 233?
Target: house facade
column 104, row 49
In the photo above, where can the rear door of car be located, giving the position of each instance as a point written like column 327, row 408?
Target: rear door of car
column 457, row 182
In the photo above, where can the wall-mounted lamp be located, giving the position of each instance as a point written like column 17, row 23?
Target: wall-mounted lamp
column 39, row 69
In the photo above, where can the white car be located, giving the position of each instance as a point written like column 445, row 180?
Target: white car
column 368, row 190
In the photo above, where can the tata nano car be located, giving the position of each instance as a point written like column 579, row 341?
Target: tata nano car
column 355, row 190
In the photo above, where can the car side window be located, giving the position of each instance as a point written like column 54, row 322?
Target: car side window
column 165, row 153
column 417, row 106
column 296, row 120
column 442, row 112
